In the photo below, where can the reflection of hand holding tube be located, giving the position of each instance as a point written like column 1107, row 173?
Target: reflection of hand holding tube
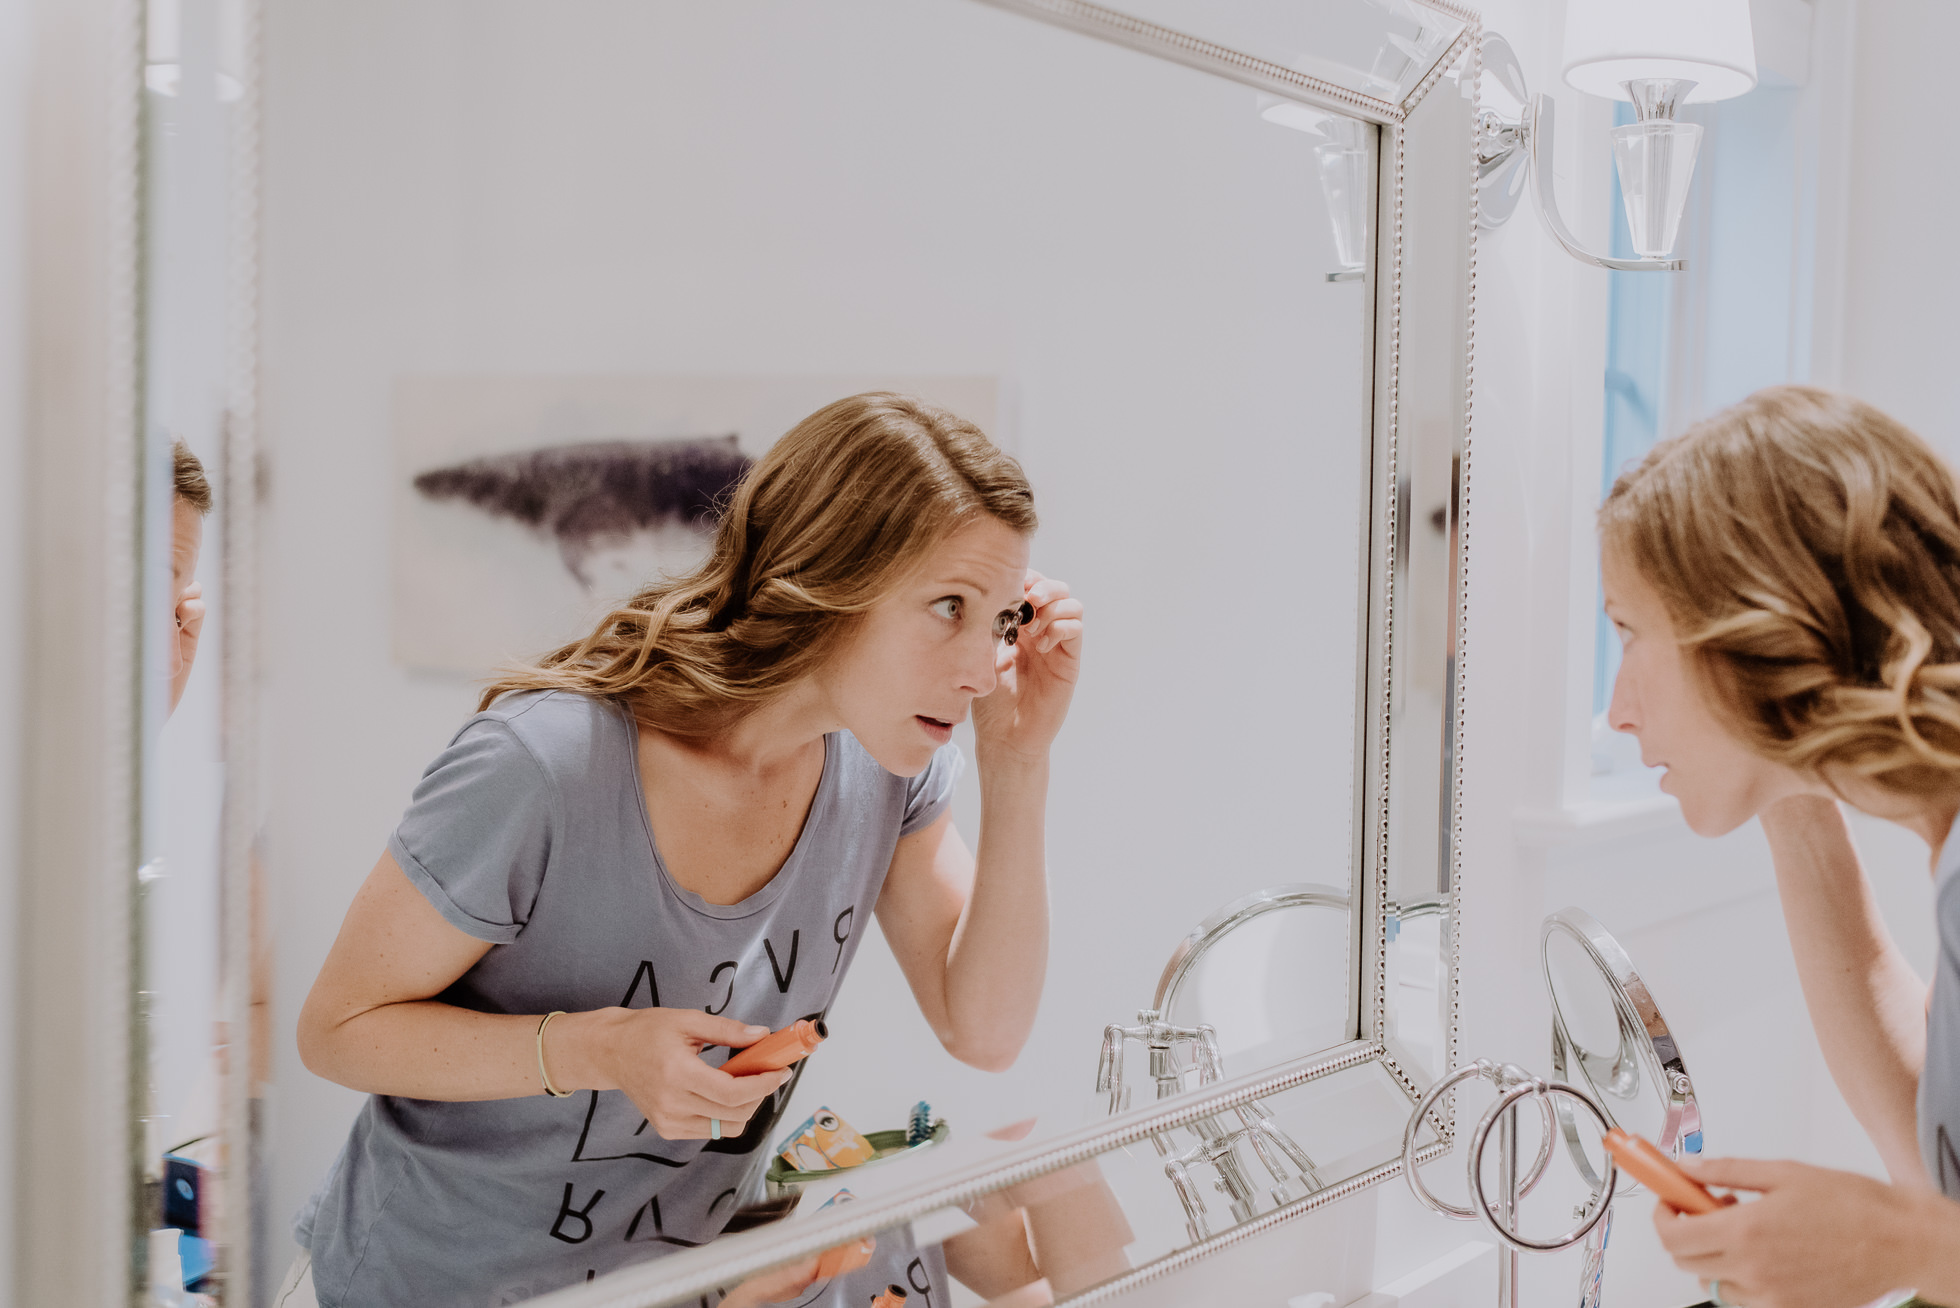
column 1077, row 1230
column 785, row 1284
column 779, row 1049
column 844, row 1258
column 1043, row 1239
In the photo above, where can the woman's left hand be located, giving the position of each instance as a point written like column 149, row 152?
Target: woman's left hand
column 786, row 1283
column 1815, row 1239
column 1037, row 675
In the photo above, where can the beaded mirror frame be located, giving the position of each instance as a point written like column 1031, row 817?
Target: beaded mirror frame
column 1407, row 842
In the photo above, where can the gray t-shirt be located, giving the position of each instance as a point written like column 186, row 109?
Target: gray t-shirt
column 1939, row 1083
column 530, row 831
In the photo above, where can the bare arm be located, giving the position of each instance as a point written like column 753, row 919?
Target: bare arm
column 1865, row 1001
column 372, row 1023
column 972, row 934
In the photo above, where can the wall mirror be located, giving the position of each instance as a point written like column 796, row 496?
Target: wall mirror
column 1217, row 302
column 197, row 1057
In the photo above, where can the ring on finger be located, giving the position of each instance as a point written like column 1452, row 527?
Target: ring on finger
column 714, row 1128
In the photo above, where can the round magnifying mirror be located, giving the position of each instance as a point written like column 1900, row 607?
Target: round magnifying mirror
column 1609, row 1038
column 1268, row 973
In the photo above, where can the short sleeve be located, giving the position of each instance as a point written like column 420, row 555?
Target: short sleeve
column 928, row 794
column 477, row 835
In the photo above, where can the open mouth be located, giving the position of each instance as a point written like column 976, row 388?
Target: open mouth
column 935, row 725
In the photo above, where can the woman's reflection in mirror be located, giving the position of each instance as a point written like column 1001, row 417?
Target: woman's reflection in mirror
column 190, row 504
column 662, row 840
column 1785, row 579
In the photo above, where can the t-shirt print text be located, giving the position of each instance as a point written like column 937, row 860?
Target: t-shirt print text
column 698, row 1202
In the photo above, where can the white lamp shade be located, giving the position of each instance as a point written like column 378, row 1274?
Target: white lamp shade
column 1708, row 42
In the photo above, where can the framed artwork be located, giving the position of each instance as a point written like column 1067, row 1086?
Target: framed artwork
column 526, row 506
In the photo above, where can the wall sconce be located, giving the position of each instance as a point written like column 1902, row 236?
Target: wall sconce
column 163, row 22
column 1658, row 54
column 1341, row 162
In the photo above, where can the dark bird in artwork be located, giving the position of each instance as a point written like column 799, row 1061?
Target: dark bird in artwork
column 600, row 493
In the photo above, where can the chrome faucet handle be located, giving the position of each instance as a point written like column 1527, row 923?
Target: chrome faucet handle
column 1109, row 1068
column 1162, row 1039
column 1211, row 1063
column 1195, row 1213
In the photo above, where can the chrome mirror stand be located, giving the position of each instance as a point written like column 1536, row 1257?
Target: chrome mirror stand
column 1647, row 1058
column 1644, row 1063
column 1500, row 1214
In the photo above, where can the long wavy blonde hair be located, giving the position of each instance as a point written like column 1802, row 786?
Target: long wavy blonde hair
column 839, row 511
column 1807, row 547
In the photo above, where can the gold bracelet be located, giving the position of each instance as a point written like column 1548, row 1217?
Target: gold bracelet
column 543, row 1075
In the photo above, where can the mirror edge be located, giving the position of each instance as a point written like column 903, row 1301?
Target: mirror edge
column 1119, row 28
column 1457, row 727
column 244, row 1223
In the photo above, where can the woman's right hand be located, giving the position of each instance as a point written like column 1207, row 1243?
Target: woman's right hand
column 787, row 1283
column 654, row 1055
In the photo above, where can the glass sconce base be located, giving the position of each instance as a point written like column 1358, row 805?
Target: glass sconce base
column 1656, row 160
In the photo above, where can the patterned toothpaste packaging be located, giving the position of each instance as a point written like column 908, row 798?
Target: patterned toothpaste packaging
column 824, row 1142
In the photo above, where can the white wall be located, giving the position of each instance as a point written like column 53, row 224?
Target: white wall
column 492, row 188
column 1900, row 334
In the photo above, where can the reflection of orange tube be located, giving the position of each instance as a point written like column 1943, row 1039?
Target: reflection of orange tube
column 844, row 1258
column 779, row 1049
column 893, row 1297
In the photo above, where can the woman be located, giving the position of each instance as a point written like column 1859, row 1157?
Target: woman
column 666, row 839
column 1785, row 578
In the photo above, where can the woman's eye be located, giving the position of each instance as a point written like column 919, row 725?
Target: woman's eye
column 948, row 607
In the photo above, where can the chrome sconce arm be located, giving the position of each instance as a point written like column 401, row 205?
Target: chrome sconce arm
column 1539, row 140
column 1514, row 155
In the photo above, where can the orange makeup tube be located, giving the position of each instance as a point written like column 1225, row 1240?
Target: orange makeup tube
column 893, row 1297
column 778, row 1049
column 844, row 1258
column 1648, row 1165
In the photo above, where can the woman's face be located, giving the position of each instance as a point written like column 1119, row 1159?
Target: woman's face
column 926, row 651
column 1658, row 697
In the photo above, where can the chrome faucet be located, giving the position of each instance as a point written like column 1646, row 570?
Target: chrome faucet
column 1217, row 1145
column 1162, row 1039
